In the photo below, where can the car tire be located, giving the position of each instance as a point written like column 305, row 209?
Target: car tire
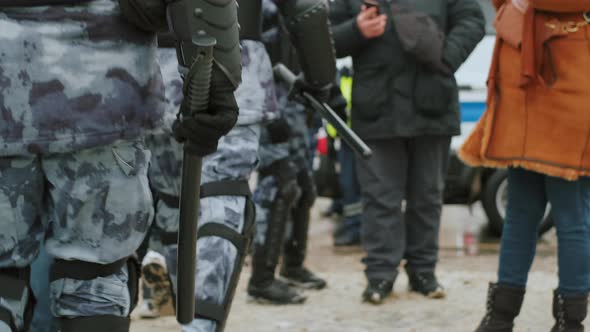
column 492, row 198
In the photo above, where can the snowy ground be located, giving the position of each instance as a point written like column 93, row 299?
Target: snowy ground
column 339, row 308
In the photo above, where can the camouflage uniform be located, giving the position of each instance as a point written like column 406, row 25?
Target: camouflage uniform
column 78, row 87
column 296, row 150
column 235, row 159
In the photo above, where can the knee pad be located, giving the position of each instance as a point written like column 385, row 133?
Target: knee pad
column 308, row 190
column 79, row 270
column 285, row 173
column 241, row 241
column 14, row 286
column 211, row 310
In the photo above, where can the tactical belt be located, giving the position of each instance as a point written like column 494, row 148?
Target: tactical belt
column 220, row 188
column 36, row 3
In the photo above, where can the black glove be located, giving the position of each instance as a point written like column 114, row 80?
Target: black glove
column 201, row 132
column 279, row 131
column 322, row 94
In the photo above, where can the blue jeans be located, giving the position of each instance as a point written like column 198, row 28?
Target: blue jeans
column 528, row 195
column 43, row 320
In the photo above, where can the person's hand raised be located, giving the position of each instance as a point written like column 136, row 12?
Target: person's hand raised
column 371, row 24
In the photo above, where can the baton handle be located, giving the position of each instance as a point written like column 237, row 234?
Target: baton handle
column 196, row 90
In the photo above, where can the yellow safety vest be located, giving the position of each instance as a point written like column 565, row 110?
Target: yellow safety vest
column 346, row 89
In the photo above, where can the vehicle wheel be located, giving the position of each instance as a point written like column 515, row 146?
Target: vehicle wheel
column 494, row 198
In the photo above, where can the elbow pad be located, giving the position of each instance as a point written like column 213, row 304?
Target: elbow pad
column 204, row 22
column 308, row 24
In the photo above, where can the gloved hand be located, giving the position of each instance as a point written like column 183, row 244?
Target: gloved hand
column 279, row 131
column 322, row 94
column 201, row 132
column 337, row 102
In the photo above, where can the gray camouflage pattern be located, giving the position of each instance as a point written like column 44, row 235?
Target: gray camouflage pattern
column 235, row 159
column 92, row 205
column 297, row 150
column 75, row 77
column 256, row 95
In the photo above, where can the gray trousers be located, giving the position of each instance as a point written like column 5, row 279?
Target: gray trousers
column 410, row 169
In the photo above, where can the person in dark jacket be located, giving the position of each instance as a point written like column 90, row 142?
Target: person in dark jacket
column 405, row 105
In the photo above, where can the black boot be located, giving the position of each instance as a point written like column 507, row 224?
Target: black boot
column 569, row 312
column 295, row 249
column 503, row 305
column 426, row 284
column 263, row 286
column 377, row 291
column 276, row 292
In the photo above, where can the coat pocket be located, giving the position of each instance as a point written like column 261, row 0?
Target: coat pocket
column 433, row 93
column 370, row 97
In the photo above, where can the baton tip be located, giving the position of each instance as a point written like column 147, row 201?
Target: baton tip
column 367, row 155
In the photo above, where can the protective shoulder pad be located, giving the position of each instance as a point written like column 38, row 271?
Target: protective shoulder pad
column 309, row 26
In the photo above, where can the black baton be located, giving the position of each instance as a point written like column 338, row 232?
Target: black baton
column 327, row 113
column 196, row 94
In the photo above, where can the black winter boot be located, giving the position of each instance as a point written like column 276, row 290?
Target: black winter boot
column 503, row 305
column 263, row 286
column 569, row 312
column 295, row 248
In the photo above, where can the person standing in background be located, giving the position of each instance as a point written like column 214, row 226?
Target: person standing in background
column 405, row 102
column 536, row 124
column 348, row 232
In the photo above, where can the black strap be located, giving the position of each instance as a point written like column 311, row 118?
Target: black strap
column 134, row 275
column 80, row 270
column 6, row 317
column 169, row 238
column 209, row 310
column 225, row 232
column 211, row 189
column 170, row 200
column 226, row 188
column 219, row 188
column 13, row 282
column 95, row 324
column 35, row 3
